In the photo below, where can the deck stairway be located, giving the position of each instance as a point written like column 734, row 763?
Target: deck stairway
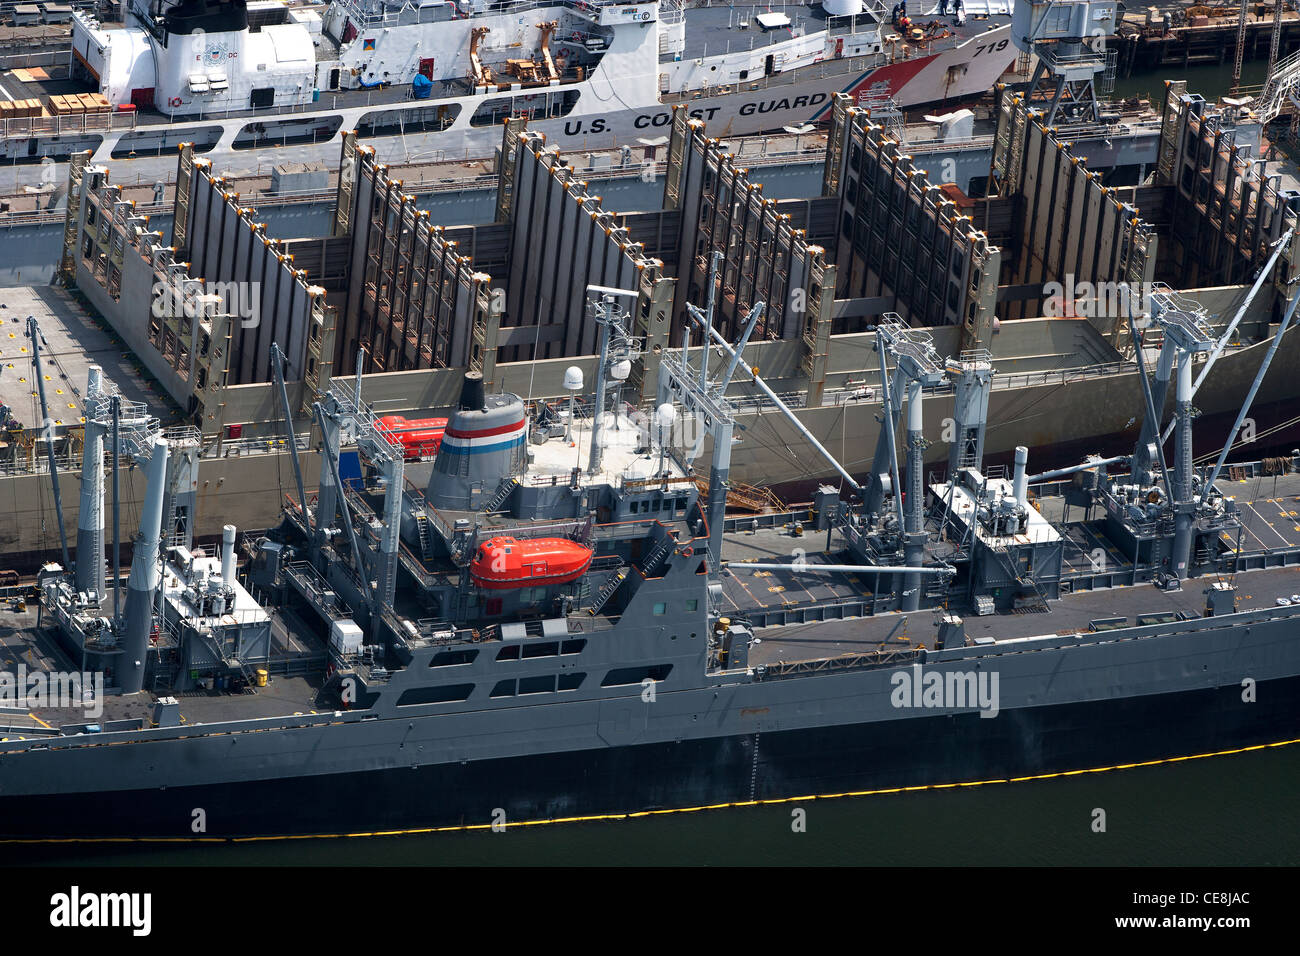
column 607, row 590
column 1281, row 89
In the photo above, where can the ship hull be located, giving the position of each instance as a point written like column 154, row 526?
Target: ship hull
column 689, row 774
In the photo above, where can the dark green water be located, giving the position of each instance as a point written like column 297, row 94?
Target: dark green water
column 1222, row 811
column 1210, row 81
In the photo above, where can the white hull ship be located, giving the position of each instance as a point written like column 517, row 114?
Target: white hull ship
column 433, row 81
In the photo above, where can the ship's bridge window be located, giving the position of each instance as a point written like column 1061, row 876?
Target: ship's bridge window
column 660, row 608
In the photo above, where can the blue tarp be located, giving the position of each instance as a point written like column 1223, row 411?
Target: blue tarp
column 421, row 87
column 350, row 470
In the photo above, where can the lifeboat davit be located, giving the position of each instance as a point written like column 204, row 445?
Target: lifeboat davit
column 418, row 437
column 503, row 562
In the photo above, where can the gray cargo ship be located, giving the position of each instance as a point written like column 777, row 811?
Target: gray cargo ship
column 552, row 622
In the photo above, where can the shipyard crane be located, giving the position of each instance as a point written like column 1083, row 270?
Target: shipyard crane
column 1240, row 51
column 1069, row 41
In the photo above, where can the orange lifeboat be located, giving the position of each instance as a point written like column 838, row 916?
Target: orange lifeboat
column 418, row 437
column 502, row 563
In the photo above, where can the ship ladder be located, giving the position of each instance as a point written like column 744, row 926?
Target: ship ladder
column 422, row 529
column 506, row 488
column 607, row 591
column 936, row 588
column 658, row 554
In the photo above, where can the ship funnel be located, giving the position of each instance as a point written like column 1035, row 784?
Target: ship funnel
column 90, row 567
column 471, row 392
column 142, row 585
column 1020, row 480
column 482, row 449
column 228, row 554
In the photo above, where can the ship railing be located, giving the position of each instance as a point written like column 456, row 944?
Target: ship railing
column 851, row 24
column 312, row 585
column 883, row 657
column 55, row 57
column 1047, row 53
column 240, row 447
column 1014, row 380
column 435, row 517
column 364, row 15
column 553, row 529
column 67, row 123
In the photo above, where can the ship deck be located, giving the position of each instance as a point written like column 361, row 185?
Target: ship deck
column 715, row 30
column 296, row 647
column 711, row 31
column 1072, row 614
column 1270, row 521
column 59, row 83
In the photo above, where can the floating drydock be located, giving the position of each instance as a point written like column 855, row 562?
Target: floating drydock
column 423, row 302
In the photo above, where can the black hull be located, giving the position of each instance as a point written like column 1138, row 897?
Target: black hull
column 690, row 774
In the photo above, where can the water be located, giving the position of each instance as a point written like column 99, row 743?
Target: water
column 1235, row 810
column 1210, row 80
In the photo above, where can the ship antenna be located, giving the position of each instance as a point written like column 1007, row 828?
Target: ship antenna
column 532, row 365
